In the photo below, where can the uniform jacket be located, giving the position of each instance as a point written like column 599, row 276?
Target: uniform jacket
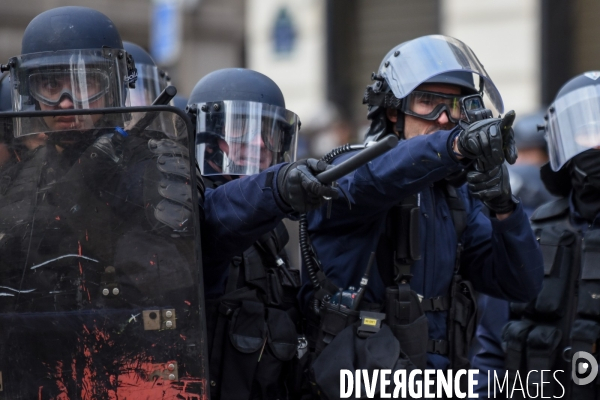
column 501, row 258
column 236, row 214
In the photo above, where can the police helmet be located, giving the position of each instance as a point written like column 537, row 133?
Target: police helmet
column 151, row 81
column 73, row 52
column 180, row 102
column 5, row 97
column 5, row 106
column 429, row 59
column 528, row 134
column 242, row 125
column 573, row 119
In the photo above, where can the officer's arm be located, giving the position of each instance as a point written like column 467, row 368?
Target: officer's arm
column 407, row 169
column 502, row 258
column 237, row 213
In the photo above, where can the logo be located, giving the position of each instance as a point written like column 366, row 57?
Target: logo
column 593, row 75
column 584, row 363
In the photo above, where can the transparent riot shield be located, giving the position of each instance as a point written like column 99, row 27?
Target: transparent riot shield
column 100, row 266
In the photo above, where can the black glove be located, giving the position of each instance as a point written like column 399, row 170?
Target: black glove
column 300, row 189
column 99, row 162
column 493, row 189
column 489, row 141
column 508, row 138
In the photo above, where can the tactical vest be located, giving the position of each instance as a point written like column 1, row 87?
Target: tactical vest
column 253, row 328
column 565, row 317
column 404, row 309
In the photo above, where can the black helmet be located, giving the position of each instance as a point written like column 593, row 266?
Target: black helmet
column 5, row 97
column 180, row 102
column 151, row 81
column 5, row 105
column 75, row 52
column 573, row 119
column 237, row 84
column 428, row 59
column 242, row 126
column 528, row 134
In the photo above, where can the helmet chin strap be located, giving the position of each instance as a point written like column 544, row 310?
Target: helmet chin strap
column 400, row 124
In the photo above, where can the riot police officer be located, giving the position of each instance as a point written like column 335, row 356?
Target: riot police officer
column 243, row 133
column 525, row 182
column 560, row 328
column 151, row 80
column 424, row 92
column 5, row 125
column 525, row 179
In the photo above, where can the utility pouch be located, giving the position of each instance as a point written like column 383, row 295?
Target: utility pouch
column 334, row 319
column 542, row 346
column 514, row 338
column 274, row 362
column 589, row 287
column 462, row 318
column 408, row 322
column 247, row 338
column 282, row 288
column 557, row 250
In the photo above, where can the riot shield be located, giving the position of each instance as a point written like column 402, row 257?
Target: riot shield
column 101, row 293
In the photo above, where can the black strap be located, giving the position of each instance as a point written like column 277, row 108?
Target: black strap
column 234, row 274
column 437, row 347
column 590, row 265
column 457, row 210
column 440, row 303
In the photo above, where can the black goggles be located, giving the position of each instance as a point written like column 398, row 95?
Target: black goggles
column 429, row 106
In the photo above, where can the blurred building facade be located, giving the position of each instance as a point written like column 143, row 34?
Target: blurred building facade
column 322, row 52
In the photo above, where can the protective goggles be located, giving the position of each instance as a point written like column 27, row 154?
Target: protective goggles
column 49, row 87
column 429, row 106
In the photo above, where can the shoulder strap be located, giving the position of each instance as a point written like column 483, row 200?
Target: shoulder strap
column 457, row 210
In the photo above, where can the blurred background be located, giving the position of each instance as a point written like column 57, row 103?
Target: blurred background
column 322, row 52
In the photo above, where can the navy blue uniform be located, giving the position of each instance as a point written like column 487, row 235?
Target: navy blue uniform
column 500, row 258
column 236, row 214
column 487, row 354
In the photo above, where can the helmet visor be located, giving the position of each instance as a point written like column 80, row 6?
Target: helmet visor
column 414, row 62
column 243, row 137
column 573, row 125
column 91, row 78
column 148, row 86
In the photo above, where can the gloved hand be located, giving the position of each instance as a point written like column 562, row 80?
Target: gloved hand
column 300, row 189
column 111, row 144
column 508, row 138
column 493, row 189
column 489, row 141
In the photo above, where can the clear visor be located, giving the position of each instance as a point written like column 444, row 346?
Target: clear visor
column 573, row 125
column 244, row 138
column 70, row 79
column 148, row 86
column 68, row 123
column 414, row 62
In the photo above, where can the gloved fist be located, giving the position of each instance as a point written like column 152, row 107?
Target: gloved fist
column 300, row 189
column 493, row 189
column 111, row 144
column 509, row 147
column 489, row 141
